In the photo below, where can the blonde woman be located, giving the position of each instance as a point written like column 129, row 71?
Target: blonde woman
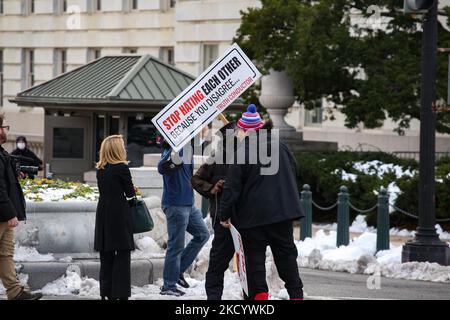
column 113, row 226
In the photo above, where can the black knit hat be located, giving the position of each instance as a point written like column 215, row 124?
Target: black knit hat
column 21, row 138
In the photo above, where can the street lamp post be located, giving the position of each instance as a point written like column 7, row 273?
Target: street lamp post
column 426, row 246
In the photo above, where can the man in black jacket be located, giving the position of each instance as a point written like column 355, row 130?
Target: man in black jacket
column 265, row 207
column 12, row 210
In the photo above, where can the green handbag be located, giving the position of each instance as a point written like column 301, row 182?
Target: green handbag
column 142, row 220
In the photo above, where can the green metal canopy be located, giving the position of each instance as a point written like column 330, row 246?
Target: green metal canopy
column 140, row 79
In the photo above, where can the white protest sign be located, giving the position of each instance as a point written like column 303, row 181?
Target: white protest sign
column 213, row 91
column 240, row 258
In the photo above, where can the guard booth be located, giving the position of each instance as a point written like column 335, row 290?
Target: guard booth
column 111, row 95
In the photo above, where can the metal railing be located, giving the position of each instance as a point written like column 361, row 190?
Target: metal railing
column 344, row 205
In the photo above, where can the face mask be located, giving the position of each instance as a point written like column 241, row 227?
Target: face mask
column 21, row 145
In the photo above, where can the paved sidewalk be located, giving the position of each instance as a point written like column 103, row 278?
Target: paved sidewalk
column 327, row 285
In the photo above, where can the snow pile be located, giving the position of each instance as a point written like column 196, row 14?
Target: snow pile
column 232, row 290
column 359, row 225
column 146, row 248
column 360, row 256
column 30, row 254
column 72, row 284
column 402, row 233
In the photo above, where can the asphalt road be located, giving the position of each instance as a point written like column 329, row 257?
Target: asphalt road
column 326, row 285
column 339, row 285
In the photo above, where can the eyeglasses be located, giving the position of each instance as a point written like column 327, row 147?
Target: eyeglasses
column 6, row 128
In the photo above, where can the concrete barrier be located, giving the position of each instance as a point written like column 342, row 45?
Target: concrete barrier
column 68, row 227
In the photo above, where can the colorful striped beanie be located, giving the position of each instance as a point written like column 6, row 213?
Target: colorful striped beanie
column 250, row 120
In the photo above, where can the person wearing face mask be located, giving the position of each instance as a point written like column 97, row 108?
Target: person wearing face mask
column 26, row 157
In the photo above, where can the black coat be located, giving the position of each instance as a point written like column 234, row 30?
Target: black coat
column 29, row 158
column 113, row 225
column 12, row 201
column 205, row 179
column 261, row 200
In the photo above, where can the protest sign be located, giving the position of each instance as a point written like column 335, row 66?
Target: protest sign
column 210, row 94
column 240, row 258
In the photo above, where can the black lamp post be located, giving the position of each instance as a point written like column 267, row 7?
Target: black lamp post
column 426, row 246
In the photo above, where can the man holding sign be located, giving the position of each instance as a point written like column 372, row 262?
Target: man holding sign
column 264, row 208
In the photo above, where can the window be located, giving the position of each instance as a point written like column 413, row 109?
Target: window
column 129, row 50
column 210, row 54
column 1, row 77
column 60, row 61
column 27, row 68
column 141, row 138
column 130, row 5
column 93, row 54
column 106, row 125
column 28, row 6
column 68, row 143
column 1, row 7
column 94, row 6
column 59, row 6
column 314, row 117
column 166, row 55
column 172, row 3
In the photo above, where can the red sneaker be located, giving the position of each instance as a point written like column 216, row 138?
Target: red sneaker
column 261, row 296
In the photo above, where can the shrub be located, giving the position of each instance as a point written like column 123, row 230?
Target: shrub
column 323, row 172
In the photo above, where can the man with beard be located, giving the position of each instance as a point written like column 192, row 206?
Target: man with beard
column 12, row 210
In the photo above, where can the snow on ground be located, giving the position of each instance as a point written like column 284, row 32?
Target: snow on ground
column 360, row 256
column 72, row 284
column 30, row 254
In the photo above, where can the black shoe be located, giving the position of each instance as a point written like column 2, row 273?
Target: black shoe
column 182, row 282
column 171, row 292
column 27, row 295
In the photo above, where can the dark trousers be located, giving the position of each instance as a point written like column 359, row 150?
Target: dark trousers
column 280, row 238
column 221, row 253
column 115, row 274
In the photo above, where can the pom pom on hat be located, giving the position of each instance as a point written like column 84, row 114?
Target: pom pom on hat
column 250, row 120
column 251, row 108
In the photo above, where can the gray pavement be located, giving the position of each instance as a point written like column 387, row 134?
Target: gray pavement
column 320, row 284
column 328, row 285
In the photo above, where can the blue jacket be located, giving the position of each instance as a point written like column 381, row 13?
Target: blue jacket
column 177, row 181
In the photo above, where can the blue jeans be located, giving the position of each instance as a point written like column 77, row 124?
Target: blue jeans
column 178, row 258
